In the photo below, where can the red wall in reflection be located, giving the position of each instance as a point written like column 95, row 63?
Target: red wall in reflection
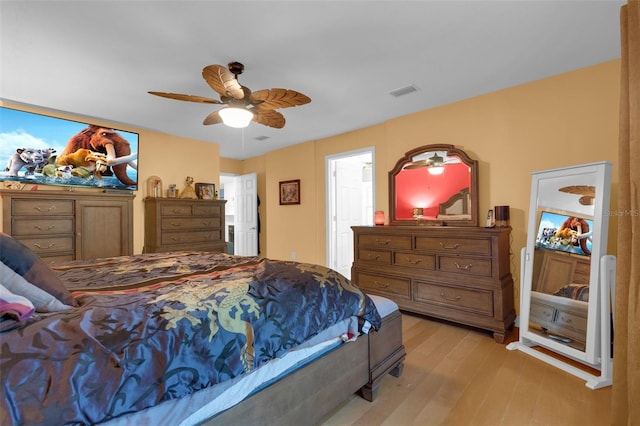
column 418, row 188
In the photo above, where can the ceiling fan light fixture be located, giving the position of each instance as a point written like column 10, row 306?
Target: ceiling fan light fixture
column 236, row 117
column 436, row 170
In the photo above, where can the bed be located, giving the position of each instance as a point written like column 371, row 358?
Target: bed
column 164, row 338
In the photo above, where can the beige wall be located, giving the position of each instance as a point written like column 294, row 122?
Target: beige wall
column 559, row 121
column 563, row 120
column 166, row 156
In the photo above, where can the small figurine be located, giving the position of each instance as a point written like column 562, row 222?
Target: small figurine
column 172, row 192
column 188, row 191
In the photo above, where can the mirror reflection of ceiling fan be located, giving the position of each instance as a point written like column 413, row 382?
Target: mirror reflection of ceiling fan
column 259, row 106
column 434, row 162
column 587, row 193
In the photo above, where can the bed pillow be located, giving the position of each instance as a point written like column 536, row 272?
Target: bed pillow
column 14, row 306
column 35, row 273
column 574, row 291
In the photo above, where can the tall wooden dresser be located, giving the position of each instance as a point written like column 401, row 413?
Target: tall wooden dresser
column 460, row 274
column 65, row 225
column 174, row 224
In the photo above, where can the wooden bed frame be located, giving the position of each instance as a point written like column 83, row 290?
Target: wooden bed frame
column 311, row 393
column 458, row 203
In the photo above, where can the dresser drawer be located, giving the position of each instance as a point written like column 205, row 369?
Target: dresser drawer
column 480, row 246
column 379, row 256
column 207, row 210
column 44, row 245
column 42, row 207
column 174, row 209
column 582, row 273
column 397, row 287
column 169, row 238
column 542, row 314
column 573, row 321
column 175, row 223
column 477, row 301
column 56, row 258
column 465, row 265
column 34, row 226
column 413, row 260
column 386, row 241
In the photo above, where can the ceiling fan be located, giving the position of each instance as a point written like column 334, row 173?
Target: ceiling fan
column 259, row 106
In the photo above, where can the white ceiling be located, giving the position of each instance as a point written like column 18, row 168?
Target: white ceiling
column 98, row 59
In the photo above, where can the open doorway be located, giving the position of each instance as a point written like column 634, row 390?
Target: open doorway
column 241, row 213
column 350, row 201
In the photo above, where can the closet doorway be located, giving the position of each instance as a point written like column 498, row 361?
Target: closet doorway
column 350, row 201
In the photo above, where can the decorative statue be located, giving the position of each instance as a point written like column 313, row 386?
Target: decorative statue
column 188, row 191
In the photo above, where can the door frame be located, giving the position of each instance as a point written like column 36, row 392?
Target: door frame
column 332, row 199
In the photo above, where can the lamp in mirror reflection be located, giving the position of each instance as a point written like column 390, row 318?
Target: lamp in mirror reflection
column 418, row 211
column 235, row 117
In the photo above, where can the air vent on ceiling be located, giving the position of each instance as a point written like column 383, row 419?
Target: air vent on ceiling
column 403, row 91
column 261, row 138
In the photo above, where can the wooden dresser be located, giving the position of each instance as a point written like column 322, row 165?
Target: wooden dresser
column 460, row 274
column 174, row 224
column 64, row 225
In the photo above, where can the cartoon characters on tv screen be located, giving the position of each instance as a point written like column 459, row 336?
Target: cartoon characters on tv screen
column 565, row 233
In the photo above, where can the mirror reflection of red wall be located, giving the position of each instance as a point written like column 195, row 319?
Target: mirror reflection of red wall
column 419, row 188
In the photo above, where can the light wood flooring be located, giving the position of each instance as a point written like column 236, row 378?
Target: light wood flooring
column 459, row 376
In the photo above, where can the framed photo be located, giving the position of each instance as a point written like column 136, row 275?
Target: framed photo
column 290, row 192
column 206, row 191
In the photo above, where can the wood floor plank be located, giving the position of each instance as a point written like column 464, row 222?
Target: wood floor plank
column 456, row 375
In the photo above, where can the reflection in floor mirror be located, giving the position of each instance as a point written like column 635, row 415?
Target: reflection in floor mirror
column 567, row 276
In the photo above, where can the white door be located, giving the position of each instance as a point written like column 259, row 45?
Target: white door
column 246, row 215
column 349, row 203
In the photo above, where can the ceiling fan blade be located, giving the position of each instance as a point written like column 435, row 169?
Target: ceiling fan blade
column 269, row 99
column 268, row 118
column 419, row 164
column 213, row 118
column 222, row 81
column 188, row 98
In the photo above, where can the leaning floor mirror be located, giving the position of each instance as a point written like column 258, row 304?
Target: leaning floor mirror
column 567, row 276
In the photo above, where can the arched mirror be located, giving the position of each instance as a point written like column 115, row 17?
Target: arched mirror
column 434, row 184
column 562, row 288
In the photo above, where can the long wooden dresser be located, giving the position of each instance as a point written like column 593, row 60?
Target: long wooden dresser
column 65, row 225
column 174, row 224
column 460, row 274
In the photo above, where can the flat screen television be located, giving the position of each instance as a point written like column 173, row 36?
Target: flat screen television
column 564, row 232
column 42, row 150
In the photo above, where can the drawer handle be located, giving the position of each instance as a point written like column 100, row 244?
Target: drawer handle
column 44, row 248
column 45, row 209
column 176, row 225
column 178, row 211
column 451, row 299
column 452, row 247
column 373, row 256
column 463, row 268
column 40, row 228
column 176, row 239
column 413, row 262
column 382, row 285
column 382, row 242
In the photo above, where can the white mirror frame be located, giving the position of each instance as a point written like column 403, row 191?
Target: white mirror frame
column 597, row 352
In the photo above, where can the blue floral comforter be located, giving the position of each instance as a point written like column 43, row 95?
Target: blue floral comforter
column 155, row 327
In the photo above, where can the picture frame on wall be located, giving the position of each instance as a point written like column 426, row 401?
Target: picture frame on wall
column 290, row 192
column 206, row 191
